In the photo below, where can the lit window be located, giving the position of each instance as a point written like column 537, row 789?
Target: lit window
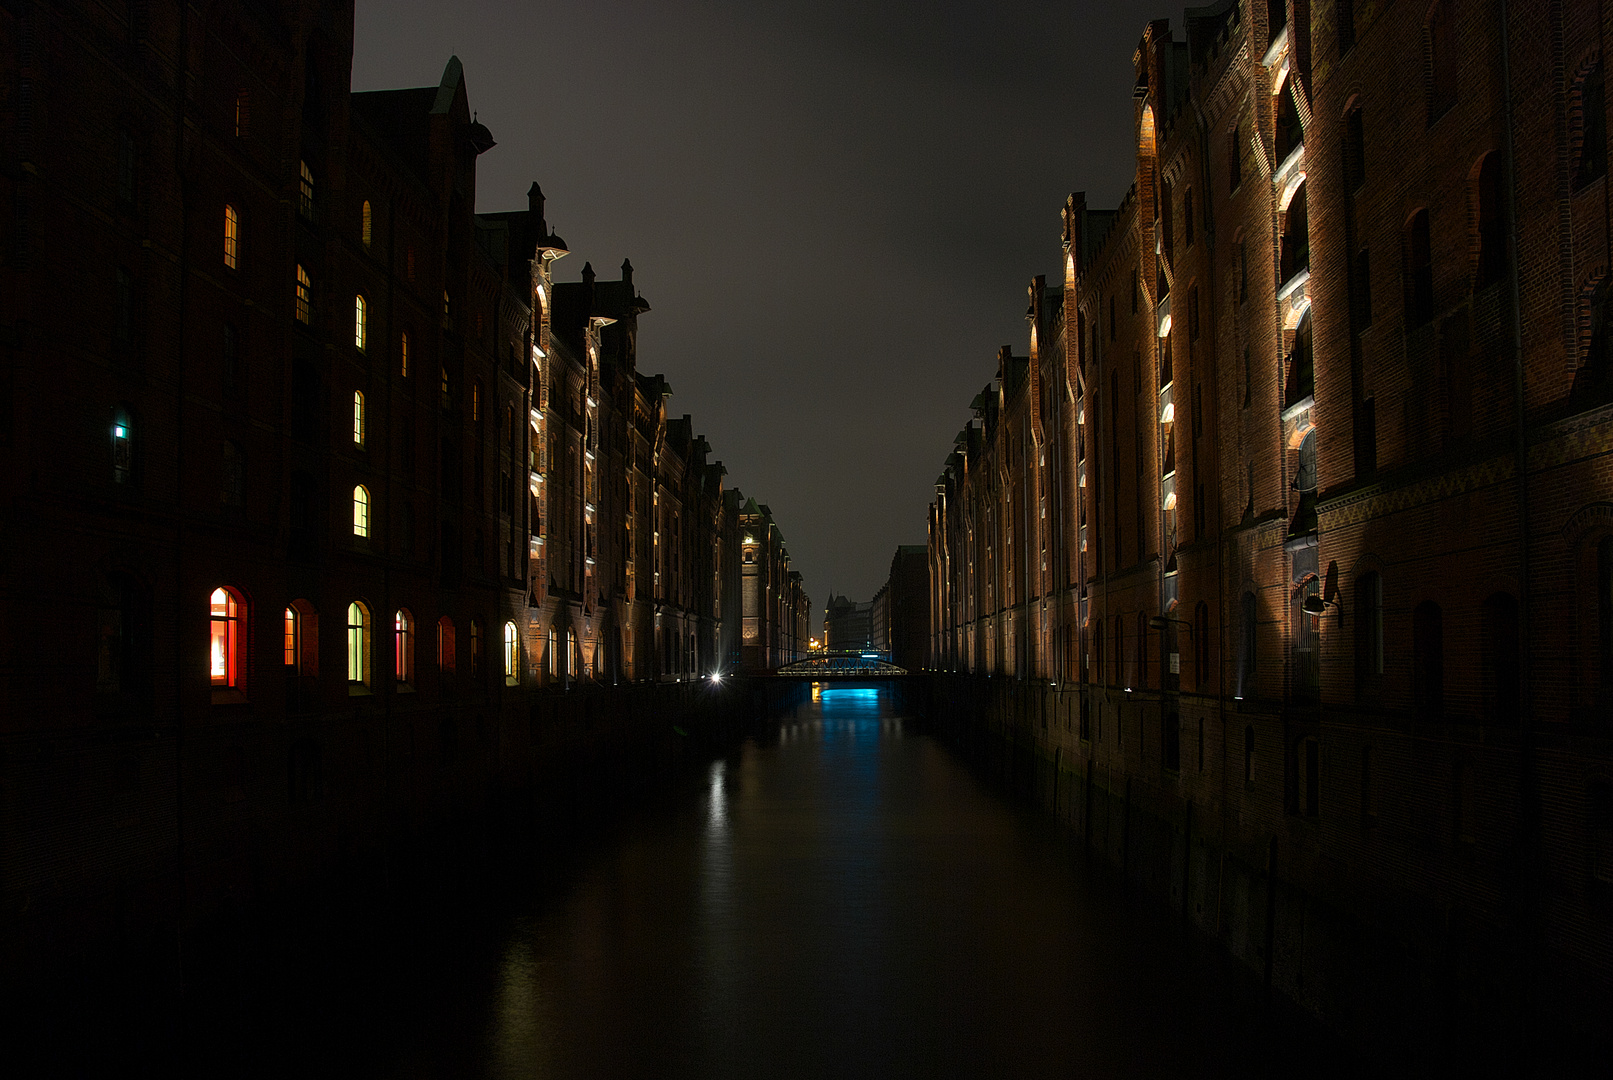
column 475, row 402
column 512, row 655
column 403, row 645
column 571, row 651
column 232, row 237
column 554, row 646
column 446, row 399
column 226, row 645
column 358, row 646
column 361, row 322
column 403, row 354
column 305, row 296
column 243, row 113
column 447, row 655
column 122, row 448
column 368, row 217
column 361, row 511
column 358, row 418
column 475, row 648
column 302, row 639
column 305, row 191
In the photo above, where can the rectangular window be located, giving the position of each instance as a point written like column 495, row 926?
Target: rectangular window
column 305, row 192
column 232, row 237
column 305, row 296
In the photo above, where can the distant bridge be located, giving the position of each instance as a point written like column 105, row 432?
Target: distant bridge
column 862, row 665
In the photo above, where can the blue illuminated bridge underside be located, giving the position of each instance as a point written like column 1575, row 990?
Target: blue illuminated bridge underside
column 840, row 667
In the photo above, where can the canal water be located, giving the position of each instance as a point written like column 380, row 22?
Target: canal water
column 839, row 897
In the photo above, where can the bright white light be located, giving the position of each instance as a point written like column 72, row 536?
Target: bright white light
column 120, row 431
column 1168, row 413
column 716, row 676
column 1165, row 327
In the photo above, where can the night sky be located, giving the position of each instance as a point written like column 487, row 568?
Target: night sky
column 834, row 209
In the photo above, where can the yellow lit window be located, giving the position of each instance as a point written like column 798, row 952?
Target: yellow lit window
column 232, row 237
column 403, row 354
column 305, row 191
column 361, row 511
column 305, row 296
column 368, row 219
column 358, row 645
column 358, row 418
column 512, row 655
column 361, row 322
column 291, row 638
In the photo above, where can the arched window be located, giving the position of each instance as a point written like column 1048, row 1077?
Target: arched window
column 512, row 655
column 366, row 219
column 361, row 511
column 243, row 113
column 447, row 654
column 1235, row 143
column 571, row 654
column 305, row 191
column 358, row 418
column 358, row 647
column 476, row 401
column 361, row 322
column 1290, row 129
column 403, row 353
column 1588, row 114
column 1492, row 245
column 301, row 639
column 1295, row 252
column 554, row 647
column 403, row 646
column 1428, row 659
column 305, row 296
column 228, row 644
column 1355, row 150
column 1171, row 742
column 232, row 236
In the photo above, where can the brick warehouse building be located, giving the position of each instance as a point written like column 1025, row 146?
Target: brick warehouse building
column 1242, row 538
column 329, row 512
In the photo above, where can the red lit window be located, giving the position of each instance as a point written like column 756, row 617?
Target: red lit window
column 226, row 659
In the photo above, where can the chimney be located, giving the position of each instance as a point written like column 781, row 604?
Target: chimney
column 627, row 273
column 534, row 205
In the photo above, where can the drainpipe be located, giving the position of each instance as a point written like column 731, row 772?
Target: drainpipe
column 1529, row 808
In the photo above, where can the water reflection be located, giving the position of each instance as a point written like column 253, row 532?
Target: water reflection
column 843, row 899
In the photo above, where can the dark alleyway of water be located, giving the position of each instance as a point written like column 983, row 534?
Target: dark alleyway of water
column 840, row 897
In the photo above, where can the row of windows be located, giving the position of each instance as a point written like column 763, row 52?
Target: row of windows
column 227, row 644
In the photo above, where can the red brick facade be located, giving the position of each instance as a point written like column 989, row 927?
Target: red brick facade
column 1255, row 532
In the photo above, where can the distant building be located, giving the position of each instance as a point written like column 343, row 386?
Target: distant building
column 771, row 605
column 848, row 625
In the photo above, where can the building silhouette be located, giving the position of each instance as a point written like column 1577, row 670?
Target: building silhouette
column 321, row 491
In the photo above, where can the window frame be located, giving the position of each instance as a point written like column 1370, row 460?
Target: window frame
column 361, row 512
column 227, row 650
column 359, row 662
column 232, row 237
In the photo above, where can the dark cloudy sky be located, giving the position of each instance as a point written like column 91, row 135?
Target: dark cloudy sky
column 834, row 209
